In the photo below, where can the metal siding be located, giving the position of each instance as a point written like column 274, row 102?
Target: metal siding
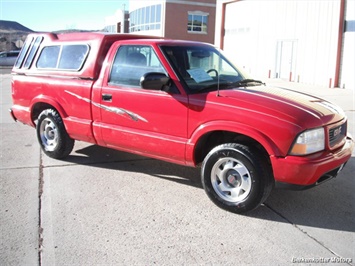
column 254, row 29
column 347, row 78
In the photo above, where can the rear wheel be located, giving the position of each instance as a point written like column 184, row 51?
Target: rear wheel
column 52, row 136
column 236, row 177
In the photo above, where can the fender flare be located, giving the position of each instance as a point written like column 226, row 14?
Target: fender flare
column 43, row 99
column 238, row 128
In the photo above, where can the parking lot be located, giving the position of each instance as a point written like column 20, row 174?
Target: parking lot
column 105, row 207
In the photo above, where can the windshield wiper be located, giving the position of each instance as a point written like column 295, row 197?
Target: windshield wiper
column 225, row 85
column 248, row 82
column 214, row 86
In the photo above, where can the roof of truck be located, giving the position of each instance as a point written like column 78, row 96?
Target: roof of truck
column 98, row 44
column 104, row 36
column 82, row 36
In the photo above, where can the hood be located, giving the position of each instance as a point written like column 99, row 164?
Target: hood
column 298, row 108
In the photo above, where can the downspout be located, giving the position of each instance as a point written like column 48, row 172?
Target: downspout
column 223, row 22
column 340, row 43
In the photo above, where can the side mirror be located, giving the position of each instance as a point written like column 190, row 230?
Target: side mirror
column 154, row 81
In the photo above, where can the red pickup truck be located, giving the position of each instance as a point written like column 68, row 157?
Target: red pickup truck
column 178, row 101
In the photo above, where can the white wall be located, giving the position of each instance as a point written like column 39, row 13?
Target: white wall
column 111, row 21
column 287, row 38
column 347, row 78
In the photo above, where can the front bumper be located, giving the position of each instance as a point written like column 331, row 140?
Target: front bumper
column 305, row 172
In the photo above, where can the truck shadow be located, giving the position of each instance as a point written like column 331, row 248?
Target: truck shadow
column 328, row 206
column 116, row 160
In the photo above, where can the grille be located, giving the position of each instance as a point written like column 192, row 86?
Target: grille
column 337, row 134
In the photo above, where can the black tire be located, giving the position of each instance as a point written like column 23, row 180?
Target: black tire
column 52, row 136
column 236, row 177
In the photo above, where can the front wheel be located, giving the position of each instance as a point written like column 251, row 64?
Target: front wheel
column 52, row 136
column 236, row 177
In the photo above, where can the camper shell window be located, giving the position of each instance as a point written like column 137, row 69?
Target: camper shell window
column 63, row 57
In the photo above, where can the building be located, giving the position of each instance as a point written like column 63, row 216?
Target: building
column 117, row 23
column 176, row 19
column 301, row 41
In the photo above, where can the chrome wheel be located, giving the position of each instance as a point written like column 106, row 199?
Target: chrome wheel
column 49, row 134
column 52, row 135
column 231, row 180
column 237, row 177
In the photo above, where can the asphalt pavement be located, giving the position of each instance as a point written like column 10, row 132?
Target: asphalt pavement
column 105, row 207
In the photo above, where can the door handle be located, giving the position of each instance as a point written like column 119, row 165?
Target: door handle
column 107, row 97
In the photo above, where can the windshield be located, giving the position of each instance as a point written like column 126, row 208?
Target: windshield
column 202, row 68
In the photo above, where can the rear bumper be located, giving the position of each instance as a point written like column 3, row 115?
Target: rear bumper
column 21, row 114
column 12, row 115
column 305, row 172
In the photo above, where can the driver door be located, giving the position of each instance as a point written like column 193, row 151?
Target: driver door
column 148, row 122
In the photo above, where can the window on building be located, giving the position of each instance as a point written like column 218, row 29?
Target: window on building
column 111, row 28
column 350, row 26
column 197, row 22
column 145, row 19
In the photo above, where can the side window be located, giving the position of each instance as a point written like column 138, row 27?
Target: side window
column 49, row 57
column 65, row 57
column 73, row 56
column 23, row 52
column 131, row 63
column 13, row 54
column 32, row 52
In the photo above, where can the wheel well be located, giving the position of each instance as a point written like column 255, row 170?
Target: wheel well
column 38, row 108
column 212, row 139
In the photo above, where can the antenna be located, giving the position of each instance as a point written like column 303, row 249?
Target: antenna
column 218, row 70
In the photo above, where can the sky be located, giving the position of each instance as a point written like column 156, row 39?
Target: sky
column 52, row 15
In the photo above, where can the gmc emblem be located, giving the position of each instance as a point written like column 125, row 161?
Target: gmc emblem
column 337, row 131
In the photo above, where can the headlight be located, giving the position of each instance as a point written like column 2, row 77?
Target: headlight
column 308, row 142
